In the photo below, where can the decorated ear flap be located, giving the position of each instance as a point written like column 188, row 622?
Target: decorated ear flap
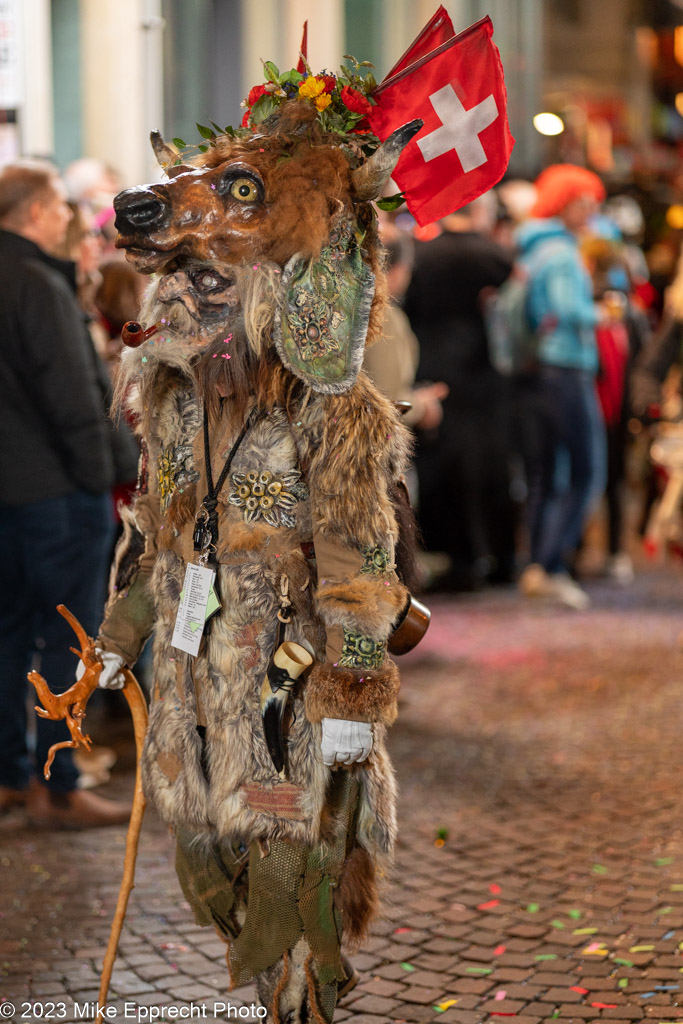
column 321, row 326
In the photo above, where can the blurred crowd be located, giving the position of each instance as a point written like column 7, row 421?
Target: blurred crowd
column 547, row 353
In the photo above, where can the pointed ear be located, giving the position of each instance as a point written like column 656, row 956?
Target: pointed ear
column 322, row 323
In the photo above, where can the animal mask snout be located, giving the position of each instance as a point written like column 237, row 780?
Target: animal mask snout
column 139, row 209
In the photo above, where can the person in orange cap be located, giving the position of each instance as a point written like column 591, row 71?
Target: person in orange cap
column 570, row 463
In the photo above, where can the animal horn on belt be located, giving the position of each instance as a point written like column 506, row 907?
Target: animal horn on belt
column 285, row 667
column 370, row 178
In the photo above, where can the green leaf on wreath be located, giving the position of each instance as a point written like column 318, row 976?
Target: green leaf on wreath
column 389, row 203
column 292, row 77
column 265, row 105
column 272, row 73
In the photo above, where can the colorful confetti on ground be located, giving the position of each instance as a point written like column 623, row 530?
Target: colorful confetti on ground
column 541, row 747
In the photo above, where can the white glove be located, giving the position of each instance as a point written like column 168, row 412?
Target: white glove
column 345, row 742
column 111, row 676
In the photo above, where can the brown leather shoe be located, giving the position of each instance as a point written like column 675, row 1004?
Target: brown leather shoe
column 74, row 810
column 11, row 798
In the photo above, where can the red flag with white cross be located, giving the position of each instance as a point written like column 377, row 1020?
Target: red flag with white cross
column 464, row 147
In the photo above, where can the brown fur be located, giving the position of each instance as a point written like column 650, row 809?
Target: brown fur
column 363, row 603
column 356, row 897
column 246, row 537
column 128, row 552
column 366, row 695
column 182, row 508
column 355, row 443
column 241, row 378
column 307, row 181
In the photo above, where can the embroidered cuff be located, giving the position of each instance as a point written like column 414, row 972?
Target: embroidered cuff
column 360, row 695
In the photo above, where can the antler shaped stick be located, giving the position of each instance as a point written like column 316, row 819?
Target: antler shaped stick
column 70, row 705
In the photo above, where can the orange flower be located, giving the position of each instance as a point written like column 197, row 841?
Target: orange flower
column 311, row 87
column 323, row 101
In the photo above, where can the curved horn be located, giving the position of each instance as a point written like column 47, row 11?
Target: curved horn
column 164, row 153
column 369, row 179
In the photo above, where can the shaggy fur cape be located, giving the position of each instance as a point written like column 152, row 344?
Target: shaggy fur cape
column 335, row 458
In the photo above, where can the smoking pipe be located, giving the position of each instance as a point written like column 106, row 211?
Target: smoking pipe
column 133, row 333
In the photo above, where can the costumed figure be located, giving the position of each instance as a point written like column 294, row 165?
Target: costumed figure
column 260, row 548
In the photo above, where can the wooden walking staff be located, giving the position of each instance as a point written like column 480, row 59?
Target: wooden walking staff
column 71, row 707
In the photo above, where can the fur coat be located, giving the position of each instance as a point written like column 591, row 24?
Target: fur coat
column 306, row 511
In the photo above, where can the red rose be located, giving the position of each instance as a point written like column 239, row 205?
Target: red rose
column 330, row 82
column 255, row 94
column 355, row 101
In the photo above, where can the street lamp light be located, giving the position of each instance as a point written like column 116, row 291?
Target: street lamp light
column 548, row 124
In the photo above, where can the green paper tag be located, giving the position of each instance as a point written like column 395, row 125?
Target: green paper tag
column 212, row 604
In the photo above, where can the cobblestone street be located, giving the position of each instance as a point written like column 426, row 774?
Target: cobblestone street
column 539, row 872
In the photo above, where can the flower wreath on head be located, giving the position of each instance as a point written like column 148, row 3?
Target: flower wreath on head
column 343, row 102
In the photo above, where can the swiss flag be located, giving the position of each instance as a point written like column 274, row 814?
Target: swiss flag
column 464, row 148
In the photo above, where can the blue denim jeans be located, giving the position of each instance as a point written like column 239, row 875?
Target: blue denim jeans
column 573, row 468
column 51, row 552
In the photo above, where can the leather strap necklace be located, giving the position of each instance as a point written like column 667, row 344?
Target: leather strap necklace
column 205, row 537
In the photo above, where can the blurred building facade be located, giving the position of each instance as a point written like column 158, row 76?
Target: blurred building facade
column 93, row 77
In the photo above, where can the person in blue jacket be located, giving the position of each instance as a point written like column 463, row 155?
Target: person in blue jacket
column 570, row 466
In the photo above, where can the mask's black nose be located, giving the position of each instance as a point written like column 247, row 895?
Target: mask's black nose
column 139, row 209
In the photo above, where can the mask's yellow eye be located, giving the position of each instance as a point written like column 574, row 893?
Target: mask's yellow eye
column 244, row 189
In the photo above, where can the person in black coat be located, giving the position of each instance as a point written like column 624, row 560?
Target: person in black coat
column 56, row 471
column 465, row 508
